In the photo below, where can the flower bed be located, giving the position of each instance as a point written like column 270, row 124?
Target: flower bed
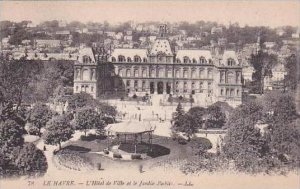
column 73, row 160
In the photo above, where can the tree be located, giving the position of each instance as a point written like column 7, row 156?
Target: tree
column 106, row 110
column 87, row 118
column 187, row 126
column 39, row 116
column 10, row 136
column 215, row 117
column 100, row 128
column 80, row 100
column 31, row 161
column 197, row 113
column 58, row 130
column 263, row 64
column 243, row 142
column 292, row 77
column 177, row 117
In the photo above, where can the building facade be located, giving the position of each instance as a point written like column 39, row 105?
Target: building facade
column 160, row 72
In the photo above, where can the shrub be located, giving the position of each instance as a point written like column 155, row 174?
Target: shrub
column 136, row 156
column 181, row 141
column 200, row 145
column 117, row 155
column 33, row 131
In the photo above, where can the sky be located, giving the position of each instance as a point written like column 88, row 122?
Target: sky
column 271, row 13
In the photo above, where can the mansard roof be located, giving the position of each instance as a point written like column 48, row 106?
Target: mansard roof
column 87, row 52
column 131, row 53
column 193, row 54
column 229, row 54
column 161, row 46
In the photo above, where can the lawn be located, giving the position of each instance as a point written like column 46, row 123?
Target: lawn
column 165, row 152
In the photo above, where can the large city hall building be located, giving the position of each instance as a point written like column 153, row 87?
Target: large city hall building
column 205, row 75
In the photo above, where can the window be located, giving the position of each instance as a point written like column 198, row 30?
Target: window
column 178, row 60
column 193, row 85
column 169, row 73
column 144, row 73
column 184, row 87
column 128, row 73
column 238, row 77
column 128, row 83
column 92, row 89
column 120, row 72
column 230, row 62
column 201, row 87
column 137, row 59
column 222, row 77
column 169, row 59
column 145, row 60
column 194, row 61
column 231, row 92
column 128, row 59
column 209, row 73
column 135, row 84
column 237, row 92
column 201, row 73
column 85, row 75
column 230, row 77
column 86, row 59
column 185, row 74
column 136, row 73
column 143, row 85
column 177, row 74
column 113, row 59
column 121, row 58
column 161, row 73
column 222, row 92
column 76, row 88
column 152, row 73
column 186, row 60
column 210, row 61
column 202, row 60
column 193, row 73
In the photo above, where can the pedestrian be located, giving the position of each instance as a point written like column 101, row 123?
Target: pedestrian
column 44, row 148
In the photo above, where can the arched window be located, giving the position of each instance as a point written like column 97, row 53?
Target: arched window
column 238, row 77
column 144, row 59
column 186, row 59
column 210, row 61
column 152, row 73
column 185, row 74
column 178, row 60
column 202, row 60
column 143, row 85
column 169, row 73
column 177, row 73
column 222, row 77
column 129, row 59
column 121, row 58
column 161, row 72
column 194, row 61
column 86, row 59
column 136, row 73
column 185, row 87
column 230, row 62
column 193, row 73
column 113, row 59
column 121, row 72
column 128, row 73
column 230, row 77
column 201, row 73
column 85, row 74
column 144, row 73
column 209, row 73
column 137, row 59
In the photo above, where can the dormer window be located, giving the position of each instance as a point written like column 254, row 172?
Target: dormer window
column 113, row 59
column 230, row 62
column 186, row 60
column 178, row 60
column 129, row 59
column 85, row 59
column 145, row 60
column 194, row 61
column 121, row 58
column 202, row 60
column 137, row 59
column 210, row 61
